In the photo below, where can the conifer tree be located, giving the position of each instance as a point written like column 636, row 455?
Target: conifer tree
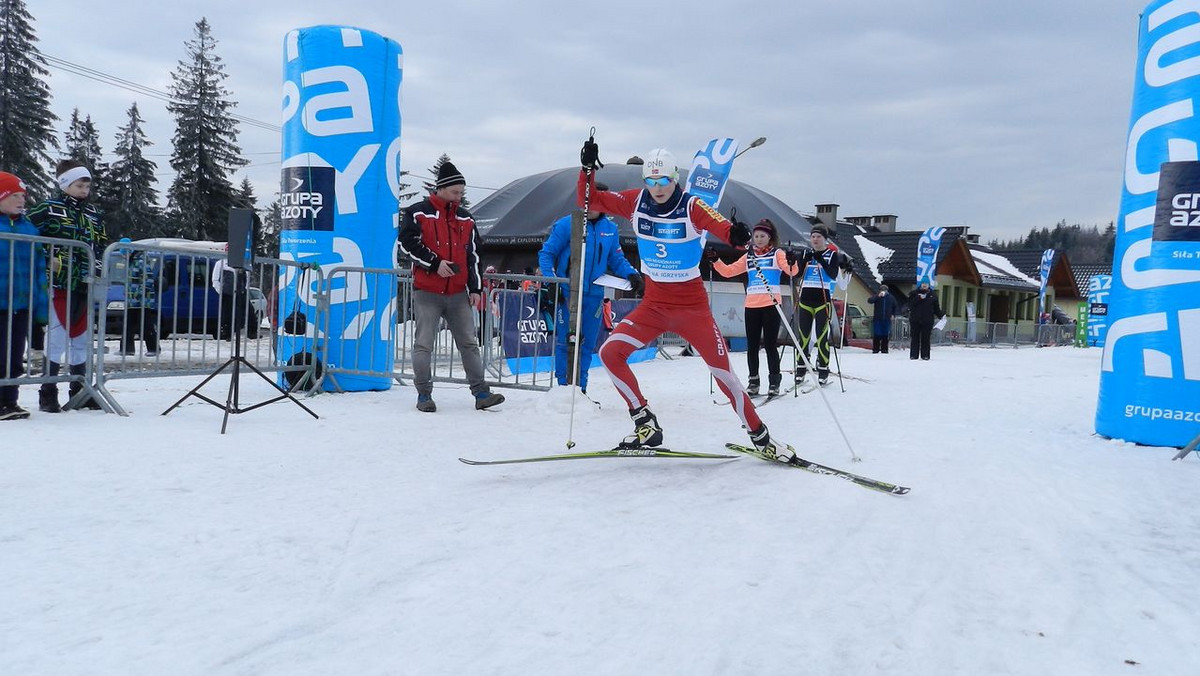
column 82, row 142
column 244, row 197
column 134, row 212
column 205, row 149
column 26, row 123
column 272, row 225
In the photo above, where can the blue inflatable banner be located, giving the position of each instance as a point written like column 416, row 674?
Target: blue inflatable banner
column 1097, row 312
column 1150, row 371
column 339, row 191
column 710, row 170
column 927, row 251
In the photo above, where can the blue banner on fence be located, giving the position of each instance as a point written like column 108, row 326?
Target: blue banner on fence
column 527, row 333
column 338, row 192
column 927, row 252
column 1150, row 372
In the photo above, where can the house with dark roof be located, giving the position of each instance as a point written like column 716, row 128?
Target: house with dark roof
column 971, row 279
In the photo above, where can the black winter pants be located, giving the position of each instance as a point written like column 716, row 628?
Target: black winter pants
column 762, row 330
column 919, row 347
column 14, row 328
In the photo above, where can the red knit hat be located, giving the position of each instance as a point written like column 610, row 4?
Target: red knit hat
column 10, row 185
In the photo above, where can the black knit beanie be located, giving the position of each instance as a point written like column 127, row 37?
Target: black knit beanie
column 449, row 175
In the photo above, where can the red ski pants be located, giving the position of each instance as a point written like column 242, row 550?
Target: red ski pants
column 697, row 326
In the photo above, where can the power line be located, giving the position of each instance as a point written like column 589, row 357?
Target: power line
column 112, row 80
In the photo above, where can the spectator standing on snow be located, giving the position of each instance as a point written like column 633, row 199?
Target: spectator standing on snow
column 23, row 296
column 923, row 311
column 881, row 322
column 440, row 237
column 69, row 216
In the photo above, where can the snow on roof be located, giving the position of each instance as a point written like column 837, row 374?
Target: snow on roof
column 874, row 255
column 1001, row 265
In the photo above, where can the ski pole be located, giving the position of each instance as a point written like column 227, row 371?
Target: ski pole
column 753, row 264
column 578, row 318
column 841, row 334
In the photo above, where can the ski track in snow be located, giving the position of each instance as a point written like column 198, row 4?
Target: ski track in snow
column 357, row 543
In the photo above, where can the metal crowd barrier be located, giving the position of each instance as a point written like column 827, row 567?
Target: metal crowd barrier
column 37, row 360
column 155, row 313
column 163, row 317
column 501, row 292
column 989, row 334
column 357, row 286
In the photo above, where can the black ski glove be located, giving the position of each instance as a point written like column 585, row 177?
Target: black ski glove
column 710, row 254
column 800, row 256
column 636, row 284
column 846, row 263
column 739, row 234
column 589, row 156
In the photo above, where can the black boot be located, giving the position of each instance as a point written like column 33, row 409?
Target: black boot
column 76, row 387
column 48, row 394
column 752, row 386
column 646, row 431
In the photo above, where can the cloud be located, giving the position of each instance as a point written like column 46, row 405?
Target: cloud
column 1002, row 117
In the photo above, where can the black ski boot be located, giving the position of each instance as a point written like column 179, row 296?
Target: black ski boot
column 646, row 431
column 752, row 386
column 769, row 448
column 48, row 394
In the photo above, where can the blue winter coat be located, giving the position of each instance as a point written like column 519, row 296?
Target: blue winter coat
column 885, row 309
column 28, row 275
column 603, row 253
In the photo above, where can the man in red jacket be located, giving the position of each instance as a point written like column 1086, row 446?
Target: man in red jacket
column 440, row 238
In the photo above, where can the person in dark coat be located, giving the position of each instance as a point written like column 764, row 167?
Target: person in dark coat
column 881, row 323
column 923, row 311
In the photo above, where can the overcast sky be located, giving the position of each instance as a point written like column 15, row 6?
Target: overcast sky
column 1001, row 116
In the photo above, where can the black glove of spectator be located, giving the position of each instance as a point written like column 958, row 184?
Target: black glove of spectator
column 739, row 234
column 636, row 283
column 846, row 263
column 589, row 156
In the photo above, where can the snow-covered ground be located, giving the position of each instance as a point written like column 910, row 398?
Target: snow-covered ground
column 358, row 544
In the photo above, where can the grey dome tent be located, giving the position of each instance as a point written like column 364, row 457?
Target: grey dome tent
column 520, row 213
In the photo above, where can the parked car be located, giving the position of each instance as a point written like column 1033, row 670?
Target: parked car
column 856, row 322
column 258, row 308
column 187, row 303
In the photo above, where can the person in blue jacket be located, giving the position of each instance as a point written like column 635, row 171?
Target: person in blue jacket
column 603, row 255
column 23, row 295
column 881, row 323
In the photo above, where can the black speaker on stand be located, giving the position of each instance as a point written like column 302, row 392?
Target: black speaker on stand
column 239, row 260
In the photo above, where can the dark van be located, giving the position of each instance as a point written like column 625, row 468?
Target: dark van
column 187, row 302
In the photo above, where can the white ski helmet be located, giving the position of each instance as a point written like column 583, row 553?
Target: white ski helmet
column 660, row 162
